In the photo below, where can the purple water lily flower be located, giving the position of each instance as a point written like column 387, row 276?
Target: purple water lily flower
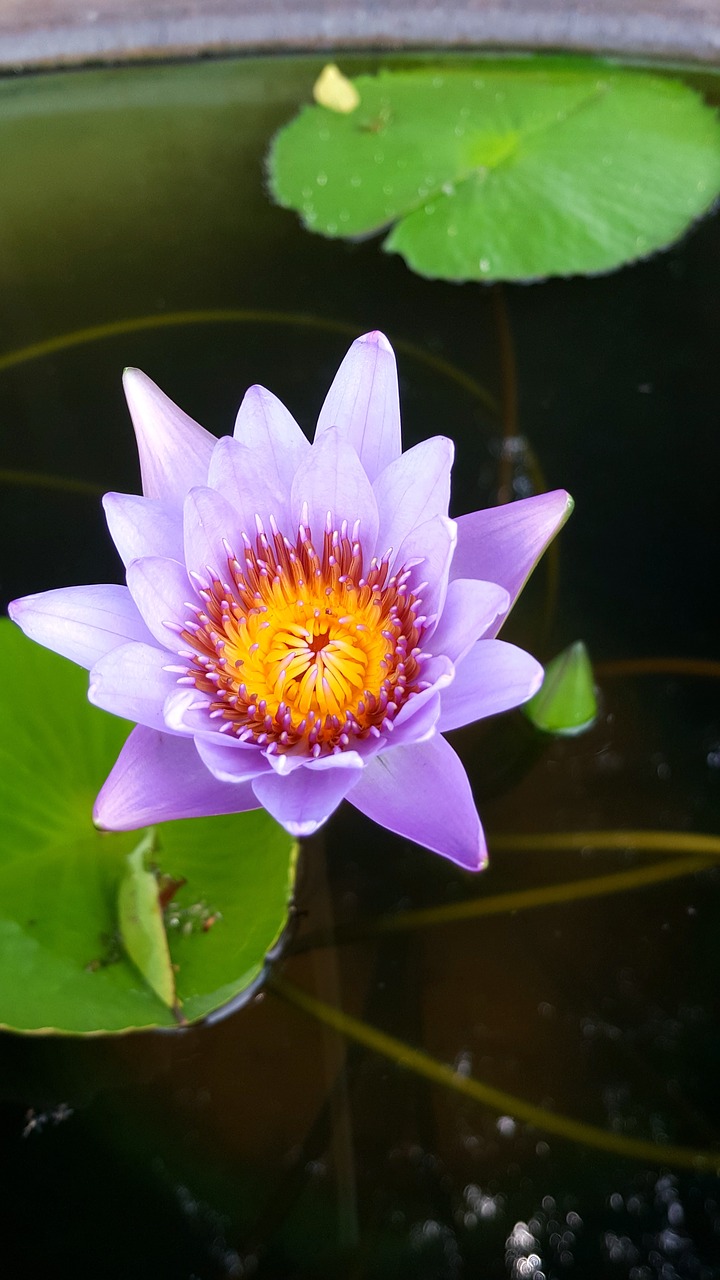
column 301, row 623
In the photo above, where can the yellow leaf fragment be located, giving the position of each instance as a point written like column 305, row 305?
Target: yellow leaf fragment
column 333, row 90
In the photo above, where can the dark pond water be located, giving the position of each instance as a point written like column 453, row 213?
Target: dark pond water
column 266, row 1144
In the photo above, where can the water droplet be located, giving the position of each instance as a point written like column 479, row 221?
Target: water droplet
column 478, row 83
column 331, row 228
column 310, row 215
column 459, row 130
column 607, row 161
column 464, row 113
column 306, row 193
column 640, row 243
column 388, row 189
column 452, row 229
column 379, row 157
column 323, row 134
column 422, row 192
column 344, row 216
column 448, row 189
column 484, row 264
column 702, row 184
column 321, row 179
column 438, row 82
column 355, row 181
column 430, row 208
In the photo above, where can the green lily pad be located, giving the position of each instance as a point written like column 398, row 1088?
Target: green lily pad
column 512, row 170
column 64, row 962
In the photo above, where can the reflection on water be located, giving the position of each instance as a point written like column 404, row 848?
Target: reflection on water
column 268, row 1144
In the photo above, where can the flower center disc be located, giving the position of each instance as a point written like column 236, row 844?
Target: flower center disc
column 298, row 647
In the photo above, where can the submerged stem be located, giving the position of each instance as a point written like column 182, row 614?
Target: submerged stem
column 404, row 1055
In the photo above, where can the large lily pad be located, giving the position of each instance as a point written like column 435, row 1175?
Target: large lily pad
column 64, row 885
column 509, row 170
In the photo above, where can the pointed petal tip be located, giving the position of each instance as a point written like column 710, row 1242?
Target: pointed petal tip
column 132, row 378
column 102, row 815
column 377, row 339
column 301, row 830
column 474, row 860
column 561, row 502
column 256, row 391
column 105, row 818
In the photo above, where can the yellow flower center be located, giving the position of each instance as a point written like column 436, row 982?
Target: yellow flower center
column 300, row 648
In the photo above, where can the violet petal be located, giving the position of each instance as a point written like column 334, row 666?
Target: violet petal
column 130, row 682
column 186, row 710
column 417, row 718
column 162, row 591
column 331, row 479
column 209, row 519
column 413, row 489
column 364, row 403
column 265, row 426
column 241, row 475
column 503, row 544
column 303, row 800
column 431, row 545
column 416, row 721
column 230, row 766
column 174, row 450
column 495, row 676
column 143, row 526
column 471, row 607
column 422, row 792
column 158, row 777
column 81, row 623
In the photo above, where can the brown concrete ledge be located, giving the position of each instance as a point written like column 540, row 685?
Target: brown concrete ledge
column 60, row 32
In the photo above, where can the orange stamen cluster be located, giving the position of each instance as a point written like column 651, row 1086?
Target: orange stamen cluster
column 300, row 648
